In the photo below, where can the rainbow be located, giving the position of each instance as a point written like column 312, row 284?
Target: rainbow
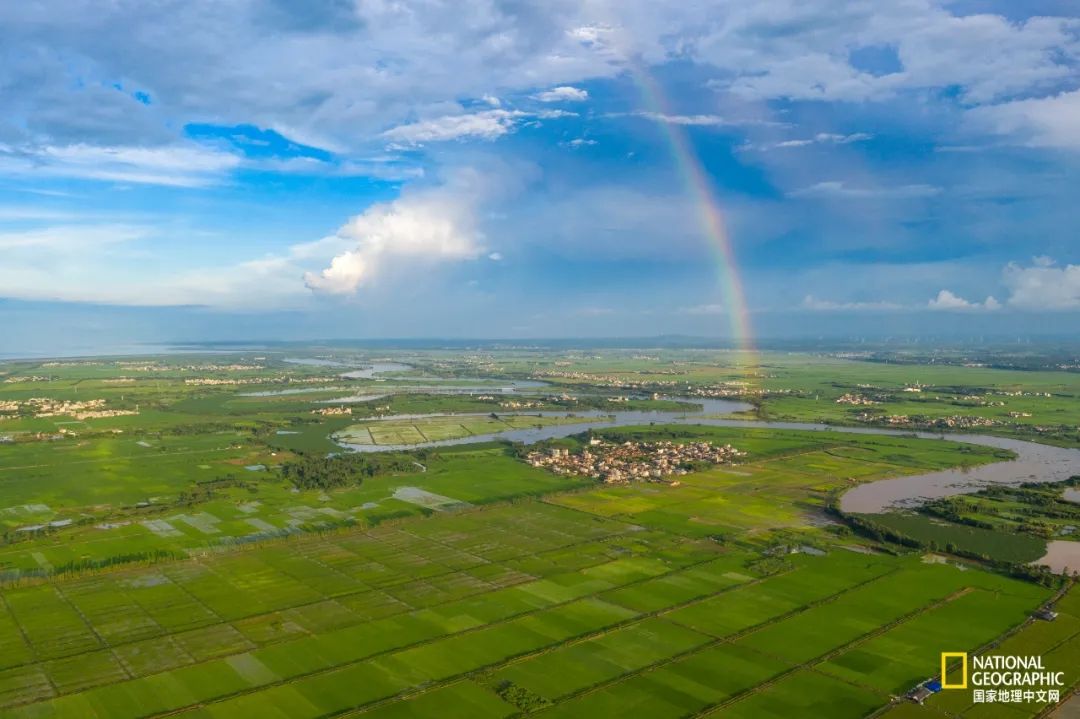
column 698, row 185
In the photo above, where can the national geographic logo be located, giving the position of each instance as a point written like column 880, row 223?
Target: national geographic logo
column 946, row 659
column 1002, row 678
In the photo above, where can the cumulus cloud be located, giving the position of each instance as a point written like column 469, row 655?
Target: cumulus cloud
column 1039, row 287
column 371, row 65
column 563, row 93
column 837, row 189
column 1043, row 285
column 949, row 302
column 423, row 227
column 777, row 48
column 1041, row 122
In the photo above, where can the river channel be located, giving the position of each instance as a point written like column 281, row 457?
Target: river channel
column 1033, row 462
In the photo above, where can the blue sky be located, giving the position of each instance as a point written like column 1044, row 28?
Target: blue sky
column 330, row 168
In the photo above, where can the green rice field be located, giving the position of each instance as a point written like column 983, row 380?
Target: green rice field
column 164, row 564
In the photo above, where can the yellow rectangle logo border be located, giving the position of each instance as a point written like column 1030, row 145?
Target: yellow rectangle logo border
column 945, row 657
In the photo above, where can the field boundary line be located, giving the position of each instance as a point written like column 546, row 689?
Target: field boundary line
column 715, row 641
column 465, row 632
column 221, row 621
column 810, row 664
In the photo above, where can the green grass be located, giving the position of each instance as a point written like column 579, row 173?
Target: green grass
column 539, row 593
column 434, row 429
column 1003, row 546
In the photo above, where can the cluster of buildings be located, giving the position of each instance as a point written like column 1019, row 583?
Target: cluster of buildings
column 520, row 404
column 855, row 399
column 618, row 463
column 202, row 367
column 956, row 421
column 723, row 390
column 604, row 380
column 526, row 404
column 332, row 411
column 735, row 389
column 26, row 378
column 228, row 381
column 45, row 407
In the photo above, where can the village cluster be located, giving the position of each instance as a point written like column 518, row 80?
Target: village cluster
column 855, row 399
column 284, row 379
column 618, row 463
column 332, row 411
column 956, row 421
column 202, row 367
column 45, row 407
column 722, row 390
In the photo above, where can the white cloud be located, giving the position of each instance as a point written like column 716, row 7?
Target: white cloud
column 690, row 120
column 483, row 125
column 486, row 125
column 590, row 35
column 114, row 263
column 949, row 302
column 838, row 189
column 814, row 76
column 1041, row 122
column 424, row 227
column 711, row 309
column 563, row 93
column 339, row 83
column 822, row 138
column 813, row 303
column 1043, row 286
column 70, row 238
column 803, row 50
column 343, row 276
column 391, row 169
column 176, row 165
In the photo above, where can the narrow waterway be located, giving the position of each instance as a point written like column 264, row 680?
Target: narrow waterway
column 1033, row 463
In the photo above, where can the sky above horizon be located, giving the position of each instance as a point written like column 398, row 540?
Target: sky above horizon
column 268, row 169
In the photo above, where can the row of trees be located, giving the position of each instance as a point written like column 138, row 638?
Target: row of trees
column 866, row 527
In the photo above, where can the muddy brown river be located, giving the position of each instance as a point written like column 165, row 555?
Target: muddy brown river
column 1033, row 462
